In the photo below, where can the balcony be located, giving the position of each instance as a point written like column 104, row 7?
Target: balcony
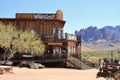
column 60, row 37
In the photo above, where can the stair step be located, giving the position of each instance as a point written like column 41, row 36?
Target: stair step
column 77, row 63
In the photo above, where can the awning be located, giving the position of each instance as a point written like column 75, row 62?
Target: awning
column 55, row 44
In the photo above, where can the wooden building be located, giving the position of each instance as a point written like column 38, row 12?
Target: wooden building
column 51, row 29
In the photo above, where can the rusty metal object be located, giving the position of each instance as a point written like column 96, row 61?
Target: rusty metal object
column 109, row 68
column 117, row 75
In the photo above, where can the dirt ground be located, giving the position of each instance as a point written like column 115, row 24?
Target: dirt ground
column 50, row 74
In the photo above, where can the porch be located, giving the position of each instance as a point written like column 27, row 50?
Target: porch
column 40, row 58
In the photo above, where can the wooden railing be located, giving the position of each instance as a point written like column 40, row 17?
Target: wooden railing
column 55, row 56
column 57, row 36
column 75, row 56
column 40, row 57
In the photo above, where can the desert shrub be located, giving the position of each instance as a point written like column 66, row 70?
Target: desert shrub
column 33, row 65
column 96, row 55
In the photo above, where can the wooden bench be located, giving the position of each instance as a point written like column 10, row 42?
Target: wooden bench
column 5, row 69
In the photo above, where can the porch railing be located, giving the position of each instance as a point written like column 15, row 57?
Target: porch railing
column 40, row 57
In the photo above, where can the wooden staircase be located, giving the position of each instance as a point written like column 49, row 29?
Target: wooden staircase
column 77, row 63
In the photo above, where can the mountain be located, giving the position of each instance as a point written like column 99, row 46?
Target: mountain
column 108, row 36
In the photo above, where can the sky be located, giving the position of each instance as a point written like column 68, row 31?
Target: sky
column 78, row 14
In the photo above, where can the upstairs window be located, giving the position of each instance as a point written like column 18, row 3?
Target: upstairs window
column 53, row 31
column 59, row 34
column 32, row 32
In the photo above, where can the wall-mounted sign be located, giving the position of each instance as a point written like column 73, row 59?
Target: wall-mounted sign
column 27, row 55
column 72, row 37
column 44, row 16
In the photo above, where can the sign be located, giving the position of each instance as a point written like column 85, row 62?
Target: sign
column 72, row 37
column 27, row 55
column 44, row 16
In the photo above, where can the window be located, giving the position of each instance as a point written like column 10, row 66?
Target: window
column 54, row 31
column 59, row 34
column 32, row 31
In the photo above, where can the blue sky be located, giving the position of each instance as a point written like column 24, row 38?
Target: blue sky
column 78, row 14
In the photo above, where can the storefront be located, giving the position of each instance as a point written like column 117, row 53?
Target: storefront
column 50, row 27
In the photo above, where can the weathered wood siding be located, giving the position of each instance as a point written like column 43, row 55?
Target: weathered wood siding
column 40, row 26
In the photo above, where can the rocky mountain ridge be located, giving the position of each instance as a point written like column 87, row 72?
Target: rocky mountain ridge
column 93, row 37
column 92, row 33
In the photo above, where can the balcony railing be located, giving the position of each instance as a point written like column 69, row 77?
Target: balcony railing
column 56, row 36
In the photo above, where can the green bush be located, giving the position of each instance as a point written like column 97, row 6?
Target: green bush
column 33, row 65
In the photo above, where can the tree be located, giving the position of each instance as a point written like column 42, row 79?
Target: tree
column 13, row 41
column 28, row 43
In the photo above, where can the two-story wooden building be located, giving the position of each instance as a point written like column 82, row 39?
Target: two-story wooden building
column 51, row 29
